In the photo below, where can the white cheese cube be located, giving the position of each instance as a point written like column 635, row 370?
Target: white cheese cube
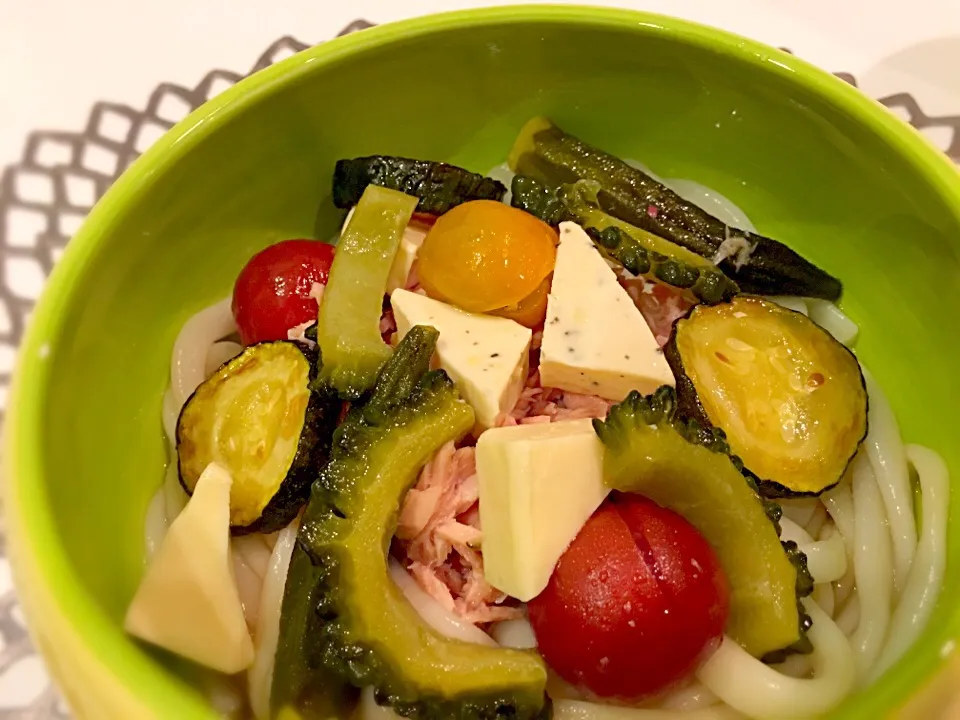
column 410, row 243
column 487, row 357
column 595, row 340
column 188, row 601
column 539, row 484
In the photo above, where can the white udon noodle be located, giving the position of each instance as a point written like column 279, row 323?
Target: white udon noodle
column 876, row 583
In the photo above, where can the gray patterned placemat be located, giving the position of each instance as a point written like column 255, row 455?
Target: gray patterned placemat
column 43, row 200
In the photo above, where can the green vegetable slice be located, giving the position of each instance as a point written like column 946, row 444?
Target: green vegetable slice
column 342, row 614
column 687, row 468
column 348, row 325
column 258, row 418
column 639, row 251
column 438, row 186
column 758, row 264
column 790, row 398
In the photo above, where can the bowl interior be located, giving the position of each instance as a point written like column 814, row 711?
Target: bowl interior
column 809, row 161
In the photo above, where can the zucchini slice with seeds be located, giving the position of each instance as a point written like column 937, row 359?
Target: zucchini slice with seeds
column 259, row 418
column 790, row 398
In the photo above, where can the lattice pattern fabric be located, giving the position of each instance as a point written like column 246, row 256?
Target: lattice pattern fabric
column 43, row 200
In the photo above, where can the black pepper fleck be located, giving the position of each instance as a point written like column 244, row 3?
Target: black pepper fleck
column 476, row 342
column 571, row 350
column 626, row 357
column 493, row 355
column 554, row 321
column 595, row 383
column 659, row 351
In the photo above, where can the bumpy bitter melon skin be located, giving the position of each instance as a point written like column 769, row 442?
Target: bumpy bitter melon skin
column 545, row 152
column 439, row 186
column 637, row 250
column 362, row 629
column 688, row 468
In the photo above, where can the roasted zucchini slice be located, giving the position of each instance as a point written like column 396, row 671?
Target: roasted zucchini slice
column 258, row 417
column 439, row 186
column 790, row 398
column 342, row 614
column 687, row 468
column 757, row 264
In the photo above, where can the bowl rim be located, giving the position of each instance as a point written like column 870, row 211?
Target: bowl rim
column 91, row 650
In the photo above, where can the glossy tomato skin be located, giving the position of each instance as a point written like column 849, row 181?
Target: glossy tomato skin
column 272, row 292
column 484, row 255
column 635, row 604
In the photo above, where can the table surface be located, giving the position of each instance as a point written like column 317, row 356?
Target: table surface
column 85, row 87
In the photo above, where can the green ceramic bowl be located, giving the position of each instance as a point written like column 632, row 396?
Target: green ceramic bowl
column 811, row 160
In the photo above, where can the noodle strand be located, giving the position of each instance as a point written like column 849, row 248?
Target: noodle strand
column 926, row 574
column 849, row 618
column 693, row 697
column 171, row 412
column 219, row 353
column 872, row 568
column 839, row 503
column 260, row 674
column 582, row 710
column 175, row 497
column 889, row 461
column 824, row 596
column 826, row 559
column 759, row 691
column 189, row 362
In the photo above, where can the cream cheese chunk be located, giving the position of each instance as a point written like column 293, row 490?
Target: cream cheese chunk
column 595, row 340
column 188, row 601
column 413, row 237
column 487, row 357
column 539, row 484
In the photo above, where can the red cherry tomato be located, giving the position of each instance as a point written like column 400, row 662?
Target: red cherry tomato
column 424, row 219
column 272, row 292
column 634, row 605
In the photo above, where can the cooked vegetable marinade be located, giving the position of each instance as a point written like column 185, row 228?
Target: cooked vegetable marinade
column 580, row 454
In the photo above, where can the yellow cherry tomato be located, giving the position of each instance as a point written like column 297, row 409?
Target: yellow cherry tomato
column 530, row 311
column 484, row 255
